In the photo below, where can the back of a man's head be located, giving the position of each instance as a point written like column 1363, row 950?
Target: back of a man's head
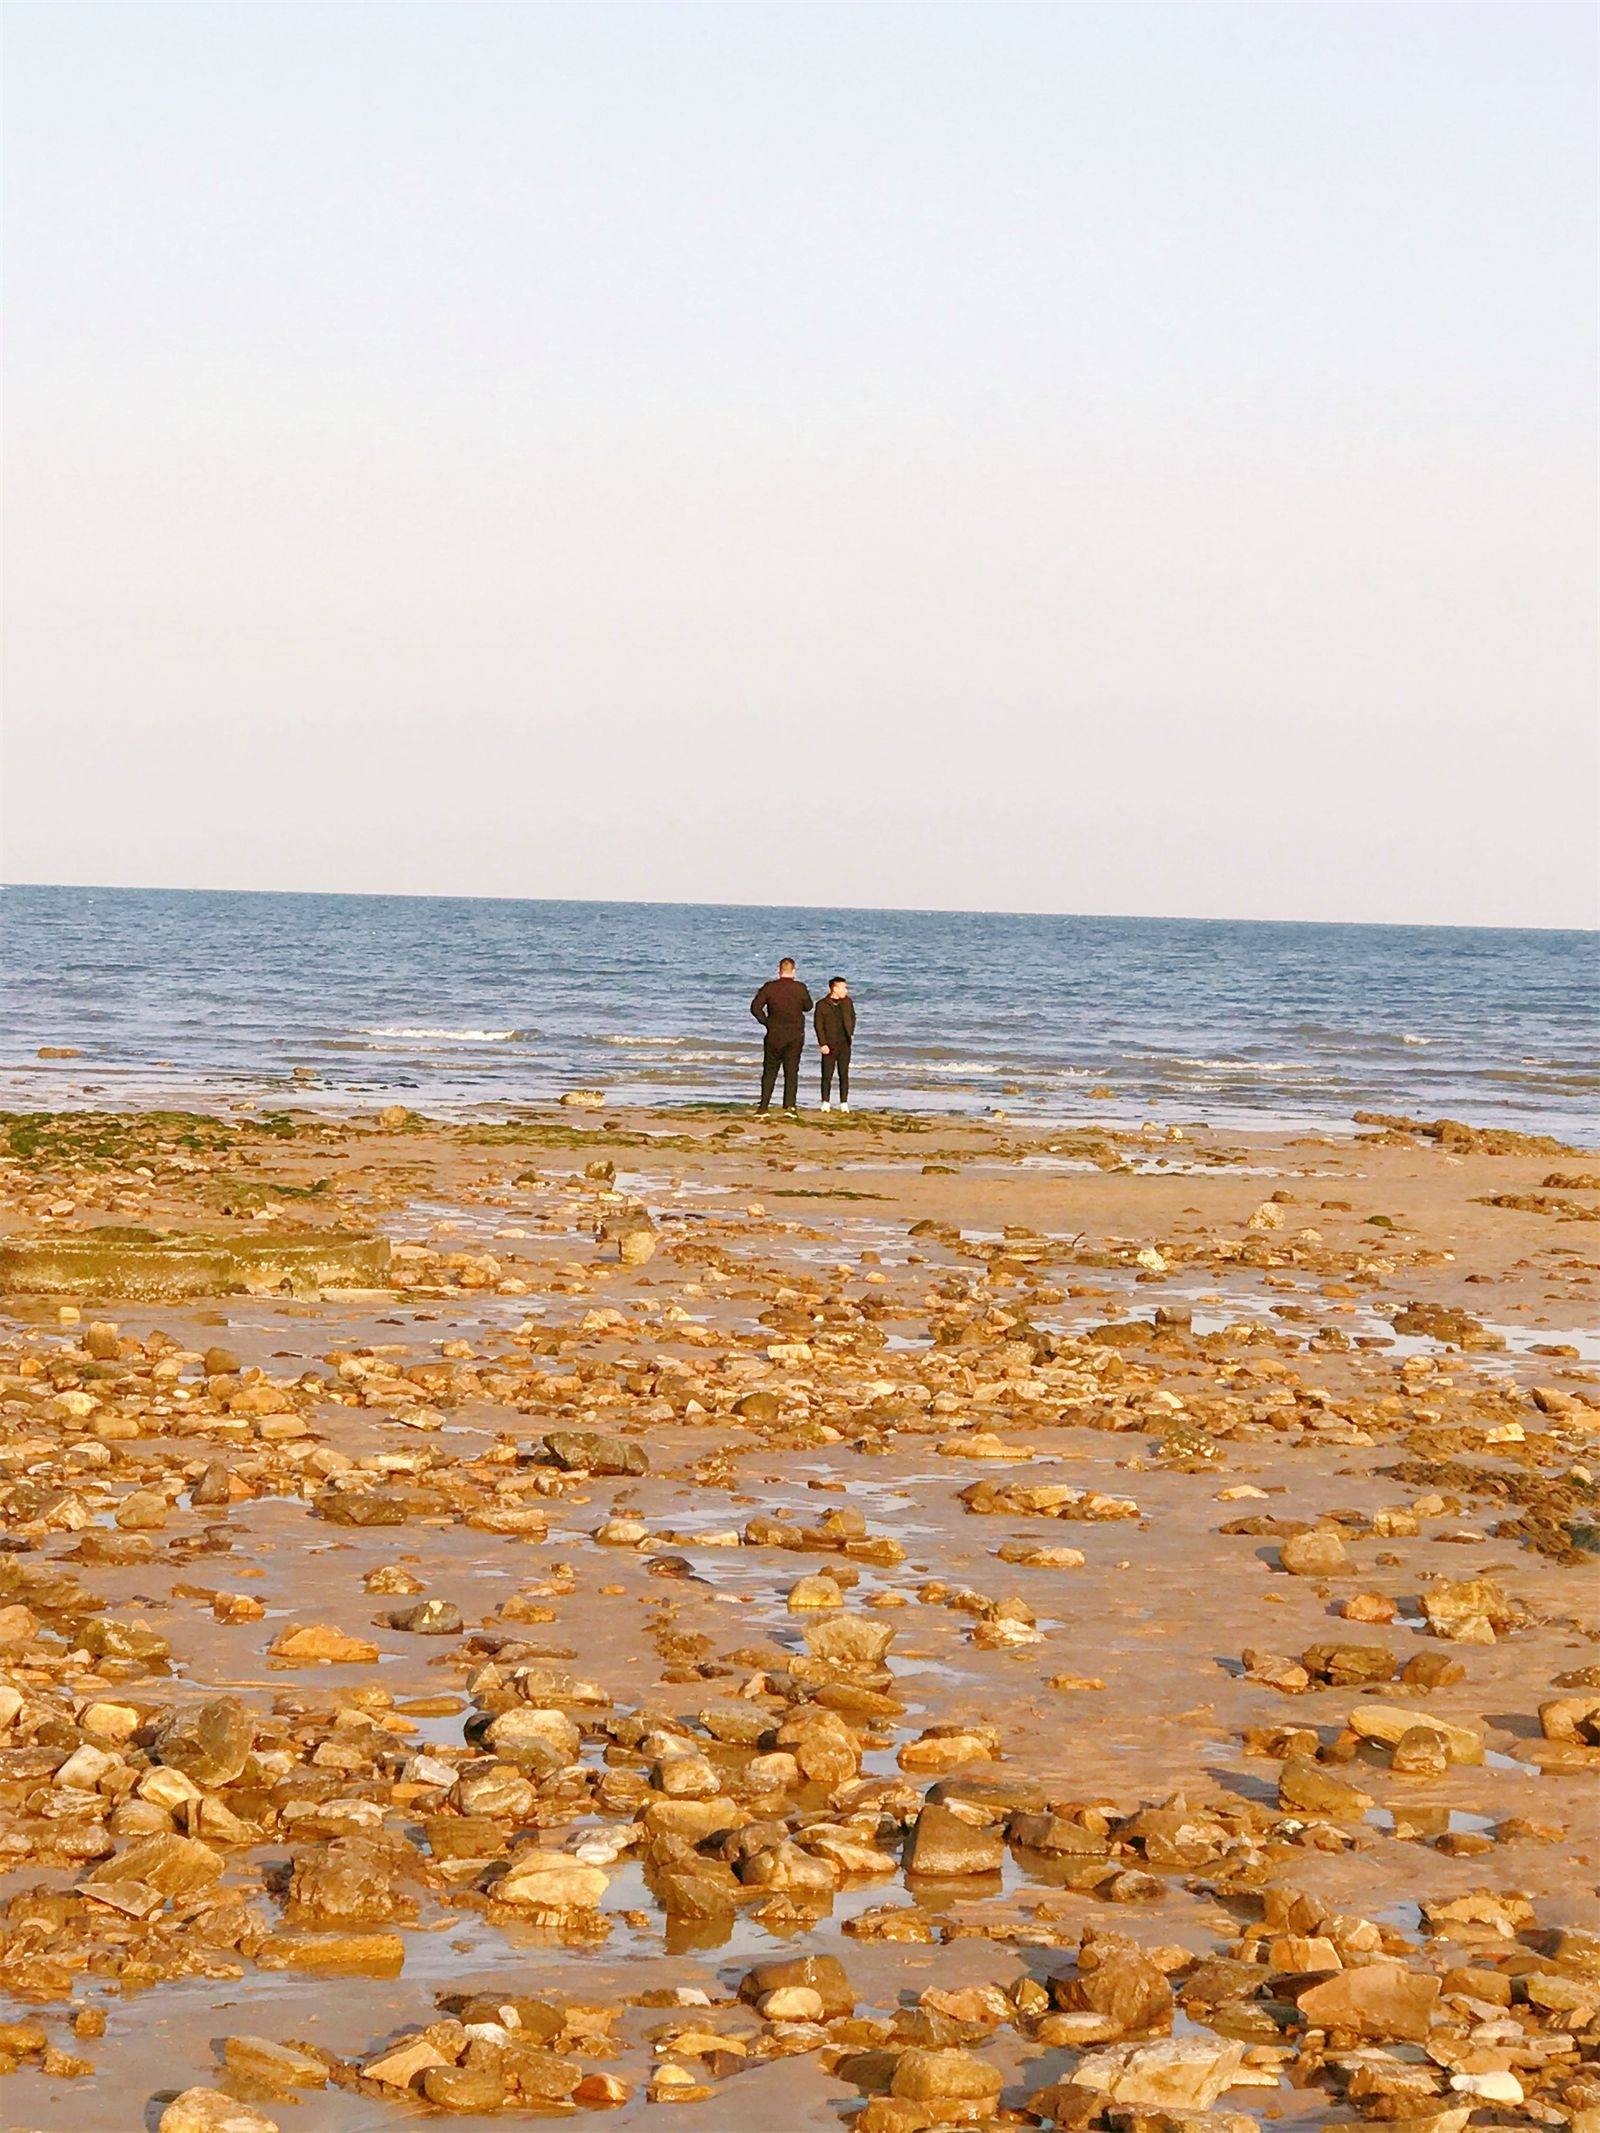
column 786, row 967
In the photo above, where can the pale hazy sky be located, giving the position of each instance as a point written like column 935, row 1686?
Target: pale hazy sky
column 1112, row 458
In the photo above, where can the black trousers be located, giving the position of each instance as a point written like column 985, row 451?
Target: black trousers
column 786, row 1054
column 836, row 1060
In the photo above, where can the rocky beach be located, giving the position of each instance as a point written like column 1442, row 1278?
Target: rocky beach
column 897, row 1622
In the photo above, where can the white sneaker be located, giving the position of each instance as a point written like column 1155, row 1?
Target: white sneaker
column 844, row 1107
column 827, row 1103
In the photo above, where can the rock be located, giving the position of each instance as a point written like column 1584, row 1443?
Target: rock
column 1469, row 1610
column 948, row 2076
column 214, row 1486
column 1318, row 1553
column 600, row 2092
column 210, row 2111
column 826, row 1750
column 1444, row 1323
column 167, row 1864
column 822, row 1974
column 1349, row 1666
column 1574, row 1718
column 551, row 1881
column 429, row 1618
column 1489, row 2087
column 272, row 2065
column 529, row 1730
column 1421, row 1751
column 944, row 1843
column 147, row 1264
column 209, row 1742
column 401, row 2066
column 361, row 1507
column 1121, row 1987
column 351, row 1954
column 348, row 1884
column 1185, row 2074
column 592, row 1452
column 1387, row 1723
column 584, row 1099
column 1382, row 2000
column 849, row 1641
column 318, row 1644
column 466, row 2088
column 791, row 2003
column 945, row 1748
column 636, row 1245
column 1305, row 1785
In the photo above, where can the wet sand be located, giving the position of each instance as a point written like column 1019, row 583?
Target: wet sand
column 848, row 1346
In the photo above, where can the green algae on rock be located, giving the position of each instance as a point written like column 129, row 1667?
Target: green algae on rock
column 151, row 1264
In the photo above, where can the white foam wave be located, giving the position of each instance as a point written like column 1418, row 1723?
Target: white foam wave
column 445, row 1036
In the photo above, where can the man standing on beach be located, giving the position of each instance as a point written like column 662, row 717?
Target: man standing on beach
column 781, row 1007
column 836, row 1029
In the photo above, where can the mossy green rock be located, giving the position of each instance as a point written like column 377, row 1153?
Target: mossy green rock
column 144, row 1263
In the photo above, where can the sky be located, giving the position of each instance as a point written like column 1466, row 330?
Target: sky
column 1092, row 458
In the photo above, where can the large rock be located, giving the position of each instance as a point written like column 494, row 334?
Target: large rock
column 1388, row 1723
column 1305, row 1785
column 1124, row 1988
column 209, row 1742
column 823, row 1974
column 551, row 1881
column 941, row 2077
column 1469, row 1610
column 347, row 1884
column 1318, row 1553
column 1571, row 1718
column 532, row 1730
column 271, row 2065
column 849, row 1641
column 320, row 1644
column 592, row 1451
column 943, row 1842
column 1181, row 2074
column 1384, row 2000
column 151, row 1264
column 169, row 1865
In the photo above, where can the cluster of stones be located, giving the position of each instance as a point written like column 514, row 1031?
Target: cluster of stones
column 157, row 1833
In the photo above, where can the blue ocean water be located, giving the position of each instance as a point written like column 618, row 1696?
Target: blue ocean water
column 464, row 1005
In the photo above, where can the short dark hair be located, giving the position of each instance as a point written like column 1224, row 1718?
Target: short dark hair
column 838, row 981
column 786, row 962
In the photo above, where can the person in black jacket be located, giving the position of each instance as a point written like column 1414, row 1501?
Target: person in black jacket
column 781, row 1007
column 836, row 1028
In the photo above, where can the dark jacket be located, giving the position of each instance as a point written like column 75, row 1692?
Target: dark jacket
column 835, row 1023
column 781, row 1006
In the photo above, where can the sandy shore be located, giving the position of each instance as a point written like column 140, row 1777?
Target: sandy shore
column 1127, row 1600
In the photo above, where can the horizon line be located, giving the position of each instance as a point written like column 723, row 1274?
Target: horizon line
column 1399, row 925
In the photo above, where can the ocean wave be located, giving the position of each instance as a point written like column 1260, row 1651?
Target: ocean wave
column 450, row 1036
column 1245, row 1066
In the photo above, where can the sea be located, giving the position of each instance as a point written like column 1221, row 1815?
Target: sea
column 466, row 1006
